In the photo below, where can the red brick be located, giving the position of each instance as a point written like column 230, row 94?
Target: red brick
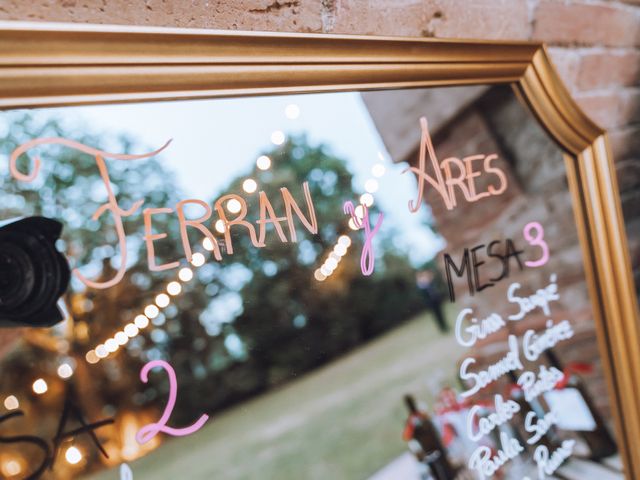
column 577, row 23
column 567, row 63
column 611, row 109
column 625, row 142
column 436, row 18
column 270, row 15
column 628, row 174
column 608, row 69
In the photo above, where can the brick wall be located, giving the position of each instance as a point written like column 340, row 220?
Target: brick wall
column 594, row 44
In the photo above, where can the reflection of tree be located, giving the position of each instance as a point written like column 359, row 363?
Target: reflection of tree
column 254, row 320
column 69, row 188
column 289, row 322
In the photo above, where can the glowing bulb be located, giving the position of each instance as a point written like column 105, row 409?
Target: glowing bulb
column 331, row 263
column 207, row 244
column 174, row 288
column 366, row 199
column 197, row 259
column 121, row 338
column 162, row 300
column 234, row 205
column 101, row 351
column 141, row 321
column 151, row 311
column 277, row 137
column 340, row 250
column 378, row 170
column 220, row 226
column 326, row 271
column 335, row 256
column 73, row 455
column 263, row 162
column 65, row 370
column 185, row 274
column 319, row 276
column 371, row 185
column 249, row 185
column 344, row 240
column 11, row 468
column 111, row 345
column 352, row 224
column 130, row 330
column 91, row 357
column 292, row 111
column 11, row 402
column 40, row 386
column 359, row 211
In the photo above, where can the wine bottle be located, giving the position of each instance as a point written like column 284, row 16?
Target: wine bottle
column 421, row 431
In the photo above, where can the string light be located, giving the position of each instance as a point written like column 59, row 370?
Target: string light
column 197, row 259
column 91, row 357
column 162, row 300
column 151, row 311
column 185, row 274
column 292, row 111
column 131, row 330
column 366, row 199
column 141, row 321
column 277, row 137
column 174, row 288
column 101, row 351
column 249, row 185
column 263, row 162
column 121, row 338
column 378, row 170
column 40, row 386
column 111, row 345
column 220, row 227
column 65, row 371
column 73, row 455
column 333, row 259
column 371, row 185
column 11, row 468
column 11, row 403
column 207, row 244
column 234, row 205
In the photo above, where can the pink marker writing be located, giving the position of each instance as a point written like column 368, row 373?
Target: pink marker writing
column 147, row 432
column 538, row 241
column 367, row 259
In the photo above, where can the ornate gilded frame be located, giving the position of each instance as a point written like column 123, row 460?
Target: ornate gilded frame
column 65, row 64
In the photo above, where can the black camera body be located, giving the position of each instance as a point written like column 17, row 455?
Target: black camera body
column 33, row 273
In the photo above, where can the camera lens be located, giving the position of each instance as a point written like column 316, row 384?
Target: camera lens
column 33, row 274
column 16, row 275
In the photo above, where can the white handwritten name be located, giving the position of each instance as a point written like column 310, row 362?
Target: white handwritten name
column 540, row 427
column 486, row 465
column 476, row 331
column 547, row 465
column 541, row 298
column 533, row 345
column 546, row 380
column 504, row 412
column 509, row 363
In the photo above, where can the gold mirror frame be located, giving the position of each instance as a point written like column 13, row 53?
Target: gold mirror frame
column 67, row 64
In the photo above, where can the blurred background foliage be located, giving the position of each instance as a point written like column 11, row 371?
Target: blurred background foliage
column 240, row 327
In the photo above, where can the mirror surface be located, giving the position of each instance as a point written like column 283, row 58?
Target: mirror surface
column 354, row 286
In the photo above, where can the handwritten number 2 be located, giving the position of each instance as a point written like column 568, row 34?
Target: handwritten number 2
column 536, row 240
column 147, row 432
